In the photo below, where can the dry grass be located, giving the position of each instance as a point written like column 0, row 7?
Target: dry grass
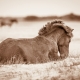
column 68, row 69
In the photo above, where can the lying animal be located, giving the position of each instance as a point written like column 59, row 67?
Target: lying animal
column 53, row 37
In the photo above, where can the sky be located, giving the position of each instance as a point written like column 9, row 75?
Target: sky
column 38, row 7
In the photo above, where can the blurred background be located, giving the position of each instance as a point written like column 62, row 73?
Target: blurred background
column 24, row 18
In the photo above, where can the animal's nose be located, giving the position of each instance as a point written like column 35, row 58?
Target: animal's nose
column 63, row 56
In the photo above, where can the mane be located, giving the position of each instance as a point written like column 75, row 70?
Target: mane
column 51, row 26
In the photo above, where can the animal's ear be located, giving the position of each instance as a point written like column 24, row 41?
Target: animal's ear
column 72, row 29
column 70, row 34
column 68, row 30
column 42, row 31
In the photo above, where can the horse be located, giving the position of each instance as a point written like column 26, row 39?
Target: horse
column 52, row 38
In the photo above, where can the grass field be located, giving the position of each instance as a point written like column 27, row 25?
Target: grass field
column 68, row 69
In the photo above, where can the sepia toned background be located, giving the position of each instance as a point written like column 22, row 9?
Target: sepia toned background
column 38, row 7
column 23, row 19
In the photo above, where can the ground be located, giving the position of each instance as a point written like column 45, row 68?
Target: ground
column 68, row 69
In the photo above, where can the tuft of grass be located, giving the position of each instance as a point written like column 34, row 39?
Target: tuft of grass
column 16, row 59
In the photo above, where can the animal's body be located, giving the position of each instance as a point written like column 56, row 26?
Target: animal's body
column 52, row 38
column 32, row 50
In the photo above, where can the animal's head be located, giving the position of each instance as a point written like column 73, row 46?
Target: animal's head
column 61, row 29
column 64, row 41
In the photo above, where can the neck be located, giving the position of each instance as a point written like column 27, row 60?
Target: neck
column 55, row 35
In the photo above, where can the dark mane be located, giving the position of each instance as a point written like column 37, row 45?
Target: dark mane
column 51, row 26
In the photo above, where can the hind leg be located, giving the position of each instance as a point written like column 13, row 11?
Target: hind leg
column 22, row 54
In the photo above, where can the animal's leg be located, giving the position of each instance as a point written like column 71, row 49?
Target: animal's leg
column 22, row 53
column 63, row 56
column 53, row 55
column 45, row 59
